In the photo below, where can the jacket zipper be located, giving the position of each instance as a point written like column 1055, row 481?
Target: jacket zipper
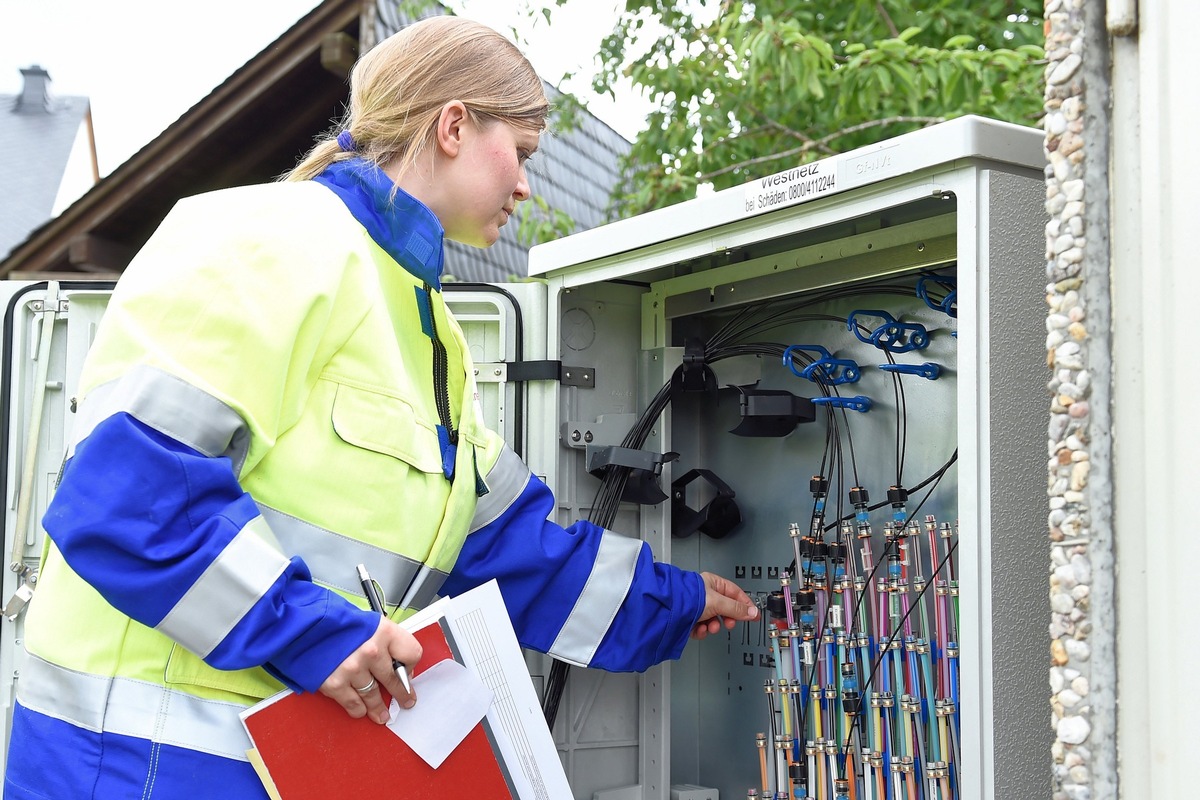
column 441, row 391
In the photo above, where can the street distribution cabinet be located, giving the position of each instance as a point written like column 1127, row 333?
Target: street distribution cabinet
column 826, row 385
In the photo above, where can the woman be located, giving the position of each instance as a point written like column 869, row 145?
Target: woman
column 277, row 393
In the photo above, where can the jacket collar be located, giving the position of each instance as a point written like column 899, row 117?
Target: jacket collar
column 402, row 225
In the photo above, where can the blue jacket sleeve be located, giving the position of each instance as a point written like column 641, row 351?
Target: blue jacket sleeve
column 141, row 517
column 581, row 593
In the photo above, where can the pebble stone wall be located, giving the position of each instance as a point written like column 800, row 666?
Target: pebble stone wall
column 1070, row 388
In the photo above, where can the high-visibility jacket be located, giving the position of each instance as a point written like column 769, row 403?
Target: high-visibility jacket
column 277, row 392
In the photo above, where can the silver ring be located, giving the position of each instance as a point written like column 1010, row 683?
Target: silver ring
column 367, row 689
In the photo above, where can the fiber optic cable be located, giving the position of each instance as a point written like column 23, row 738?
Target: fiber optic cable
column 760, row 740
column 780, row 680
column 851, row 707
column 863, row 667
column 810, row 753
column 797, row 559
column 942, row 592
column 799, row 701
column 783, row 749
column 831, row 760
column 927, row 699
column 952, row 660
column 797, row 646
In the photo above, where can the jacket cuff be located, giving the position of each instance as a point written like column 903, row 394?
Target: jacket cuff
column 312, row 657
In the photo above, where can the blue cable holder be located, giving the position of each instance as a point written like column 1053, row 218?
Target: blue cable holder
column 892, row 335
column 826, row 369
column 859, row 403
column 947, row 305
column 928, row 370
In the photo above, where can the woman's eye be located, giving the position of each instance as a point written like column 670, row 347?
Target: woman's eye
column 523, row 156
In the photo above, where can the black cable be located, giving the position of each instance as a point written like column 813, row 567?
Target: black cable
column 937, row 475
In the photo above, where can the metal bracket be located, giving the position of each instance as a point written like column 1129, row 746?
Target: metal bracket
column 59, row 306
column 519, row 371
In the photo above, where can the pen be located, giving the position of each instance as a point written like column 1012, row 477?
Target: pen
column 376, row 602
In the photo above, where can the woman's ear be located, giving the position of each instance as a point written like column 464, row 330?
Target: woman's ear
column 452, row 127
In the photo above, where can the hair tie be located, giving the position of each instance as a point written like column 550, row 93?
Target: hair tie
column 346, row 142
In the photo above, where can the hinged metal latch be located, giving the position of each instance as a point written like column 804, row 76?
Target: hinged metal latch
column 16, row 604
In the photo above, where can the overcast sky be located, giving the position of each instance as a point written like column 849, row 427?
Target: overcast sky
column 143, row 63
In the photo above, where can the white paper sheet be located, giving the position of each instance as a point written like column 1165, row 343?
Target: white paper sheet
column 450, row 702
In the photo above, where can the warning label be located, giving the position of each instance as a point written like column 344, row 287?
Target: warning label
column 796, row 185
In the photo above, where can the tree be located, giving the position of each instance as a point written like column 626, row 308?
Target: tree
column 743, row 89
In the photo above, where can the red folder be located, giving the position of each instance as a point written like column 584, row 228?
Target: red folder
column 312, row 748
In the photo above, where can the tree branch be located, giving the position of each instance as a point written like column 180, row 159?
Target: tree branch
column 875, row 123
column 779, row 126
column 750, row 162
column 815, row 144
column 887, row 18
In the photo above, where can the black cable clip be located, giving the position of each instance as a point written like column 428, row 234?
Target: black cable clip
column 696, row 375
column 717, row 518
column 645, row 469
column 772, row 412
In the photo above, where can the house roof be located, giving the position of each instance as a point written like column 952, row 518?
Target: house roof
column 37, row 134
column 254, row 127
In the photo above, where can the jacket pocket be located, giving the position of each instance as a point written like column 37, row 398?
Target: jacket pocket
column 385, row 424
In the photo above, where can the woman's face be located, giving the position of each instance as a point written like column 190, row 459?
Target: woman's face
column 486, row 181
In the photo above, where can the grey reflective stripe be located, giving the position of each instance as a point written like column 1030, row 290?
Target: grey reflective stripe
column 424, row 588
column 132, row 708
column 602, row 596
column 170, row 405
column 331, row 557
column 235, row 580
column 505, row 481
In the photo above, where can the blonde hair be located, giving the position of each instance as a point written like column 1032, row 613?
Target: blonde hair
column 398, row 89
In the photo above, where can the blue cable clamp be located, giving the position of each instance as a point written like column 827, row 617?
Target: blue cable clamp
column 947, row 305
column 928, row 370
column 892, row 335
column 826, row 369
column 857, row 403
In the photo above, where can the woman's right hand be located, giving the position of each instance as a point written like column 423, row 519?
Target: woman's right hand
column 369, row 667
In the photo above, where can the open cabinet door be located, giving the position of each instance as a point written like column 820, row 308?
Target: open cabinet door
column 48, row 328
column 605, row 723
